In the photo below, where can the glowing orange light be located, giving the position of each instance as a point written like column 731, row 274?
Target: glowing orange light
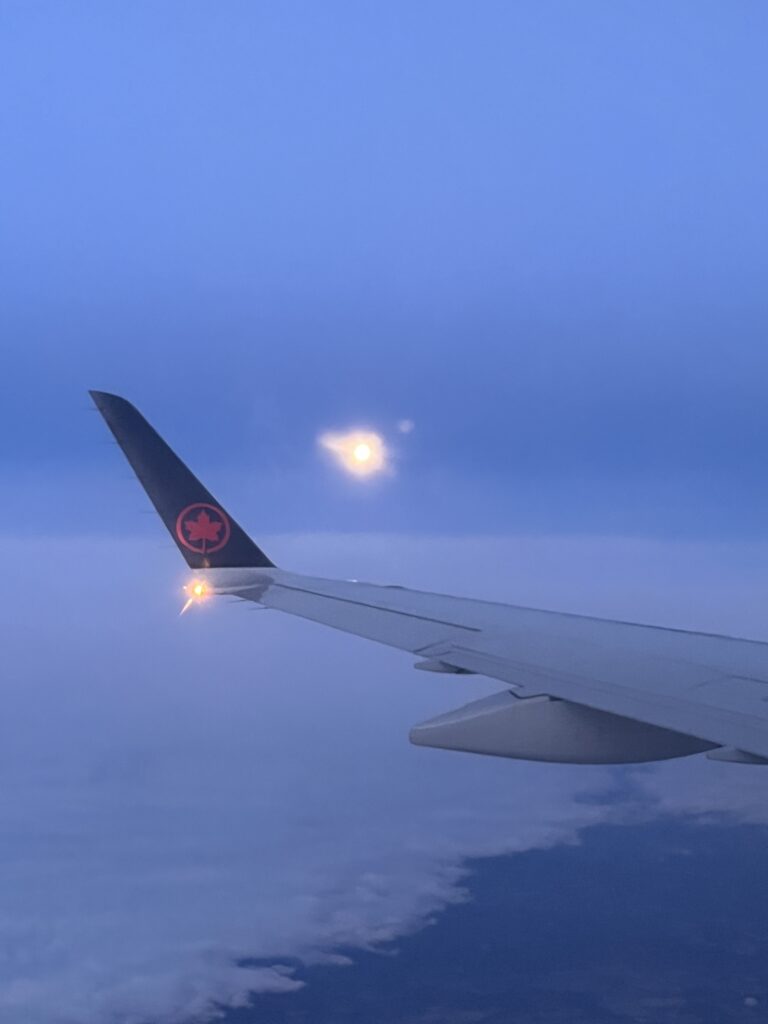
column 197, row 591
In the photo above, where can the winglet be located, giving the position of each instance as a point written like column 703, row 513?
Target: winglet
column 207, row 536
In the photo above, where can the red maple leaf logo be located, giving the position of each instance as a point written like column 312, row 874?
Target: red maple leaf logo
column 203, row 528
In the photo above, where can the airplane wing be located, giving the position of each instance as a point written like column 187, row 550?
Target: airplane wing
column 577, row 689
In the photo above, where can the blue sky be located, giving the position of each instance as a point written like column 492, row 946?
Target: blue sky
column 535, row 229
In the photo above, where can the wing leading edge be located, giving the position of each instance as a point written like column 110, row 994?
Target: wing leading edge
column 577, row 689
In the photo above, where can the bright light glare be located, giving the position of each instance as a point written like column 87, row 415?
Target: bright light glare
column 359, row 452
column 197, row 591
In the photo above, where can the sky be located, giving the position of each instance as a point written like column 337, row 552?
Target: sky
column 536, row 230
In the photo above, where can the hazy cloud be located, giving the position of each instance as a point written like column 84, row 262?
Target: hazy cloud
column 179, row 794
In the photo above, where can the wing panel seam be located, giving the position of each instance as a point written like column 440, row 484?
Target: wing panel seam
column 377, row 608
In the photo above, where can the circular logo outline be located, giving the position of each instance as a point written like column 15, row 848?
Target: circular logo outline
column 203, row 505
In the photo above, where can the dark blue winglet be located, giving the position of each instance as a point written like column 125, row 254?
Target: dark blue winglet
column 207, row 536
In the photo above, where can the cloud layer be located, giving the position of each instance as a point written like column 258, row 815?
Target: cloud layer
column 180, row 794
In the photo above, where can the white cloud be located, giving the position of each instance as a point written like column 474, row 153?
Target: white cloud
column 181, row 793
